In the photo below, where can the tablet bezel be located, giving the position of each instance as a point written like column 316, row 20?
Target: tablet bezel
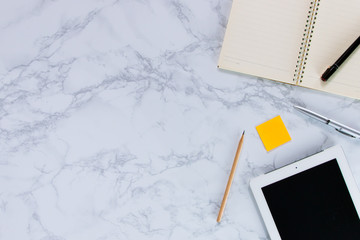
column 256, row 184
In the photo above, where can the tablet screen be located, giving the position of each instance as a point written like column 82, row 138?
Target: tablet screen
column 313, row 204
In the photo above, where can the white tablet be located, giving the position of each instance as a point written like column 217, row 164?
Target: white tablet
column 314, row 198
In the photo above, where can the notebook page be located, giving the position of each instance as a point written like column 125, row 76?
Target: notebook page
column 336, row 28
column 263, row 38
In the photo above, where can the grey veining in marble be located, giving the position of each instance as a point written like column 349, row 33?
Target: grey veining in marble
column 115, row 122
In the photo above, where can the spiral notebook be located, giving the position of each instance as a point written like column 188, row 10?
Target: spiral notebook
column 294, row 42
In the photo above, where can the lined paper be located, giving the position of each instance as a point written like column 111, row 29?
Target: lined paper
column 263, row 38
column 336, row 28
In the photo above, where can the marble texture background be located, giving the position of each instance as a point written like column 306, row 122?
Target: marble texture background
column 116, row 124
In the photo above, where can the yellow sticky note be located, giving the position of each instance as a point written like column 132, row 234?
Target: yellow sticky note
column 273, row 133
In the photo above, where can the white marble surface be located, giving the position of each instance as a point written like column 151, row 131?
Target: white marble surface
column 116, row 124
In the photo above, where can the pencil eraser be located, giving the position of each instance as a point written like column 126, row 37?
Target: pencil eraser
column 273, row 133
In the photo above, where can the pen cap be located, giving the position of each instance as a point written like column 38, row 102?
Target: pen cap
column 328, row 73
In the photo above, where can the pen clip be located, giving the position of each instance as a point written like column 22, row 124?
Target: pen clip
column 345, row 133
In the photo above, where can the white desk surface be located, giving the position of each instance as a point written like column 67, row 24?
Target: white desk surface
column 115, row 123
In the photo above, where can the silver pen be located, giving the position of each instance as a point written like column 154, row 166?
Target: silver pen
column 338, row 126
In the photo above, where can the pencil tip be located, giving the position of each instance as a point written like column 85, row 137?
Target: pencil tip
column 243, row 132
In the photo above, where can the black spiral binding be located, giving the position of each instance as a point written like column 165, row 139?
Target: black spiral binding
column 306, row 41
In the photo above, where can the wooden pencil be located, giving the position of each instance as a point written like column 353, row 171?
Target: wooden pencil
column 232, row 172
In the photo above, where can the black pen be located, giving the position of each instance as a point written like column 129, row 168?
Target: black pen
column 325, row 76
